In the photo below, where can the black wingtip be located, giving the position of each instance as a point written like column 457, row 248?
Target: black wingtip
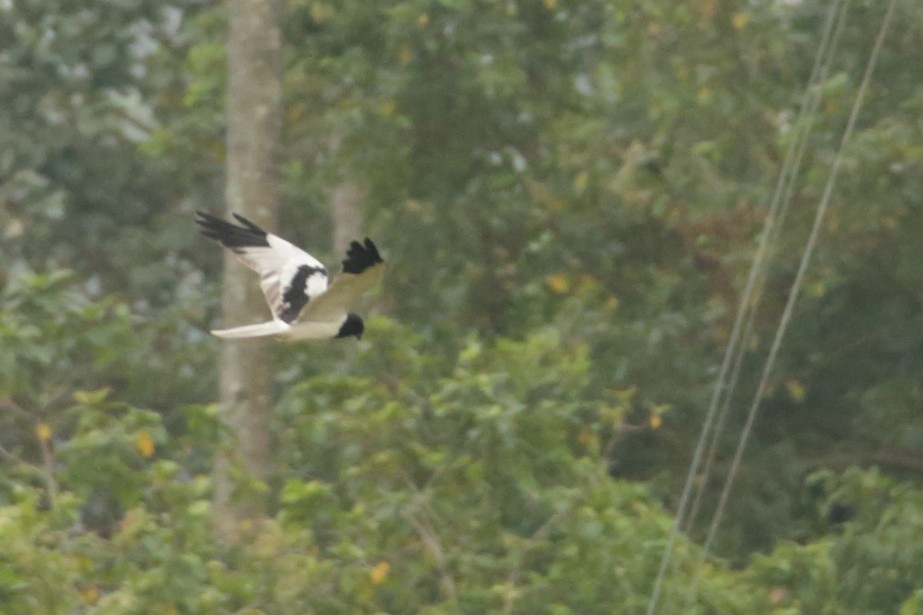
column 360, row 257
column 204, row 216
column 231, row 235
column 248, row 224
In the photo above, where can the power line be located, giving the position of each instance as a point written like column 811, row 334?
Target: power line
column 783, row 195
column 793, row 295
column 768, row 235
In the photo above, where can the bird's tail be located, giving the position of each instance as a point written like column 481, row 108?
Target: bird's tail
column 273, row 327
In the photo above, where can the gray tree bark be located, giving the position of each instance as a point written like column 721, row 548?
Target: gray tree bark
column 345, row 200
column 254, row 111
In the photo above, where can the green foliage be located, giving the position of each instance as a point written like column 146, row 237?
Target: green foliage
column 481, row 489
column 568, row 196
column 871, row 565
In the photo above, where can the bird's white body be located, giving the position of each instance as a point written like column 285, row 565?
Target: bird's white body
column 295, row 283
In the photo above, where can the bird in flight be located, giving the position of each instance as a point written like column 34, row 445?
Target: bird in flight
column 295, row 283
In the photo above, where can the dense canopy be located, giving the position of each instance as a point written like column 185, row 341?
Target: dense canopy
column 569, row 196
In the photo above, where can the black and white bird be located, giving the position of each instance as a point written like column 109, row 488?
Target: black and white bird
column 295, row 283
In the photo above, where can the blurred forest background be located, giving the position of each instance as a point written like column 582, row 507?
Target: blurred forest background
column 568, row 195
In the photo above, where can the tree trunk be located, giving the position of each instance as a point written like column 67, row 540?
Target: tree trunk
column 254, row 122
column 345, row 200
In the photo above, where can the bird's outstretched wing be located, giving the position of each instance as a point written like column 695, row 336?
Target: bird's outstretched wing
column 289, row 277
column 263, row 329
column 363, row 268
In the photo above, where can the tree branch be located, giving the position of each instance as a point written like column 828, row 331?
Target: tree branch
column 432, row 543
column 889, row 459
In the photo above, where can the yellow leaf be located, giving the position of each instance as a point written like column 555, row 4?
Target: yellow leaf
column 295, row 112
column 740, row 20
column 795, row 390
column 145, row 444
column 818, row 288
column 612, row 414
column 778, row 595
column 707, row 9
column 90, row 594
column 704, row 95
column 322, row 11
column 587, row 438
column 581, row 181
column 217, row 150
column 405, row 56
column 626, row 396
column 379, row 572
column 422, row 20
column 558, row 283
column 613, row 302
column 655, row 421
column 550, row 4
column 587, row 281
column 43, row 432
column 388, row 107
column 91, row 398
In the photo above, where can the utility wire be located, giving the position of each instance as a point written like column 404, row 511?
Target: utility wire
column 759, row 263
column 793, row 296
column 783, row 193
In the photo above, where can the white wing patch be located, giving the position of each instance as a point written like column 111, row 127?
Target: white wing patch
column 295, row 283
column 289, row 276
column 273, row 327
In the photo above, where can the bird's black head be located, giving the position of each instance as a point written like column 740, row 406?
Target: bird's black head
column 353, row 325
